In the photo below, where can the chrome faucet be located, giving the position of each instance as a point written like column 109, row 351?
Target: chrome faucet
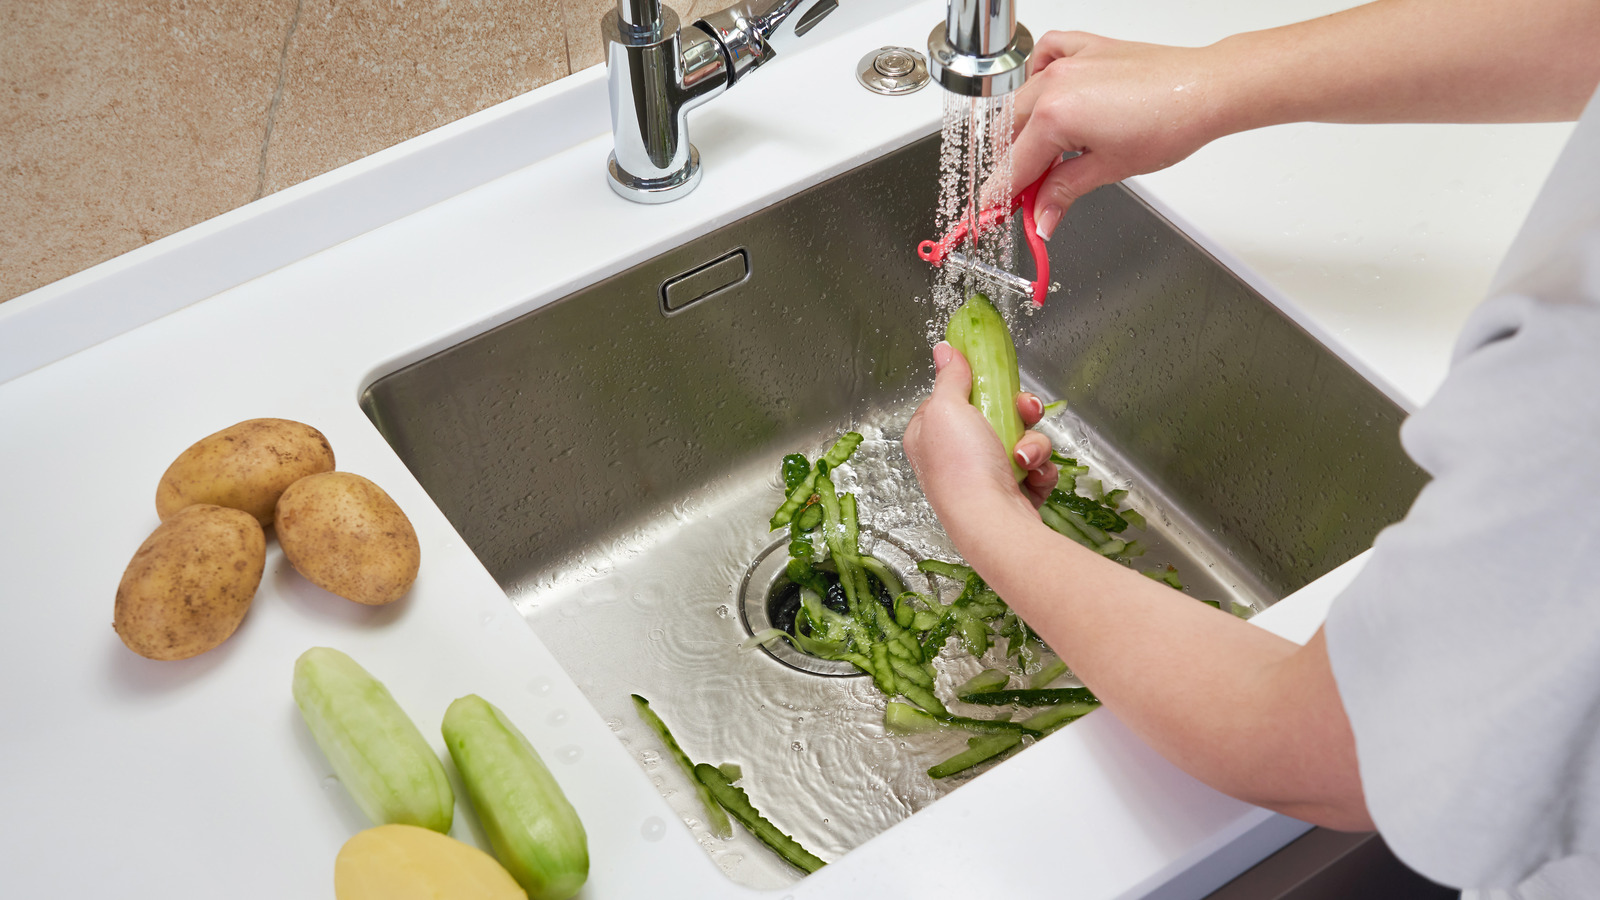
column 979, row 50
column 657, row 72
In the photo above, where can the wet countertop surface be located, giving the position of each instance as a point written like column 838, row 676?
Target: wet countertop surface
column 197, row 778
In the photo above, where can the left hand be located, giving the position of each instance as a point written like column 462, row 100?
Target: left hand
column 958, row 458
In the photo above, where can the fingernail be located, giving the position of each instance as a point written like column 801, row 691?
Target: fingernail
column 1035, row 405
column 941, row 354
column 1049, row 218
column 1023, row 459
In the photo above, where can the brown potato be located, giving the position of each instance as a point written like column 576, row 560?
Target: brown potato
column 190, row 583
column 244, row 466
column 347, row 536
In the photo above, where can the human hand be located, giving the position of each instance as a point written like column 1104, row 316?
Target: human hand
column 1126, row 108
column 959, row 460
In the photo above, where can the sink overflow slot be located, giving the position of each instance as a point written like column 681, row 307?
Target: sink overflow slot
column 704, row 282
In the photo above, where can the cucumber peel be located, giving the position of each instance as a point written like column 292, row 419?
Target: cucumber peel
column 738, row 804
column 716, row 819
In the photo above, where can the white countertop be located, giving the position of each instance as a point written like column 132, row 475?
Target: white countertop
column 195, row 779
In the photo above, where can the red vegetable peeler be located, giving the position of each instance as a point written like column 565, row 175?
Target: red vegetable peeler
column 988, row 220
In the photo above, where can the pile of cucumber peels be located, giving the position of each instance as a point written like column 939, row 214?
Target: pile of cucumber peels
column 893, row 634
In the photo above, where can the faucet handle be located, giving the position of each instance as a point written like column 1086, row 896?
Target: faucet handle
column 753, row 31
column 744, row 43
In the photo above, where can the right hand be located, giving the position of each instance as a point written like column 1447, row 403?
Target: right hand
column 1127, row 108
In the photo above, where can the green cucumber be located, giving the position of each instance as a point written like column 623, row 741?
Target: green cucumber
column 376, row 750
column 532, row 827
column 979, row 332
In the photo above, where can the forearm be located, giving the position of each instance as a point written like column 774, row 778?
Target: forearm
column 1415, row 61
column 1242, row 710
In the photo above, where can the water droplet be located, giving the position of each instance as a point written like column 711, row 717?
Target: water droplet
column 539, row 686
column 653, row 829
column 559, row 717
column 570, row 754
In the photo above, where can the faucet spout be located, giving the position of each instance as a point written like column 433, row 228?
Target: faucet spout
column 979, row 50
column 657, row 72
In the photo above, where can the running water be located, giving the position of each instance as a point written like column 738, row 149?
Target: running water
column 974, row 174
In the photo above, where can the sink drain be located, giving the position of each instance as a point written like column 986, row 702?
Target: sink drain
column 768, row 599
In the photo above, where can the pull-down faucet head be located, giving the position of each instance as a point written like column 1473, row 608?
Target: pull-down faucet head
column 979, row 50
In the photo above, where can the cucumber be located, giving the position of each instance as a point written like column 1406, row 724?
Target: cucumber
column 379, row 755
column 978, row 331
column 532, row 827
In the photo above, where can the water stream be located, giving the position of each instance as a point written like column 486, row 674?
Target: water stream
column 974, row 175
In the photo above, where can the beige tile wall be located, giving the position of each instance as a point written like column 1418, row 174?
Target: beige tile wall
column 122, row 121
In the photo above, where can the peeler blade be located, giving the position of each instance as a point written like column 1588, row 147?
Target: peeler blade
column 1000, row 277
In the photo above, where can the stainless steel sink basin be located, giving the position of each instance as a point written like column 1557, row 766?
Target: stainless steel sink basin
column 612, row 458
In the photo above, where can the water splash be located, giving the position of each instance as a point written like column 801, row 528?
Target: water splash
column 974, row 175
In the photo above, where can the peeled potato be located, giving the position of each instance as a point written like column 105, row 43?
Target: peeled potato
column 190, row 583
column 405, row 862
column 244, row 466
column 347, row 536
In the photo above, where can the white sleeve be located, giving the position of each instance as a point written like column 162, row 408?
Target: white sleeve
column 1467, row 653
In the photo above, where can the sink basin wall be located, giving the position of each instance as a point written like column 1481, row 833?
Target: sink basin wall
column 1213, row 396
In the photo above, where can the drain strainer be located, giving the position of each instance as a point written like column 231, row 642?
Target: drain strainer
column 768, row 599
column 893, row 70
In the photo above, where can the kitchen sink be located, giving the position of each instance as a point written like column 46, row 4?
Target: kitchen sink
column 613, row 457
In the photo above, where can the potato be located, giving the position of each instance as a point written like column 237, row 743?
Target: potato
column 191, row 582
column 404, row 862
column 347, row 536
column 244, row 466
